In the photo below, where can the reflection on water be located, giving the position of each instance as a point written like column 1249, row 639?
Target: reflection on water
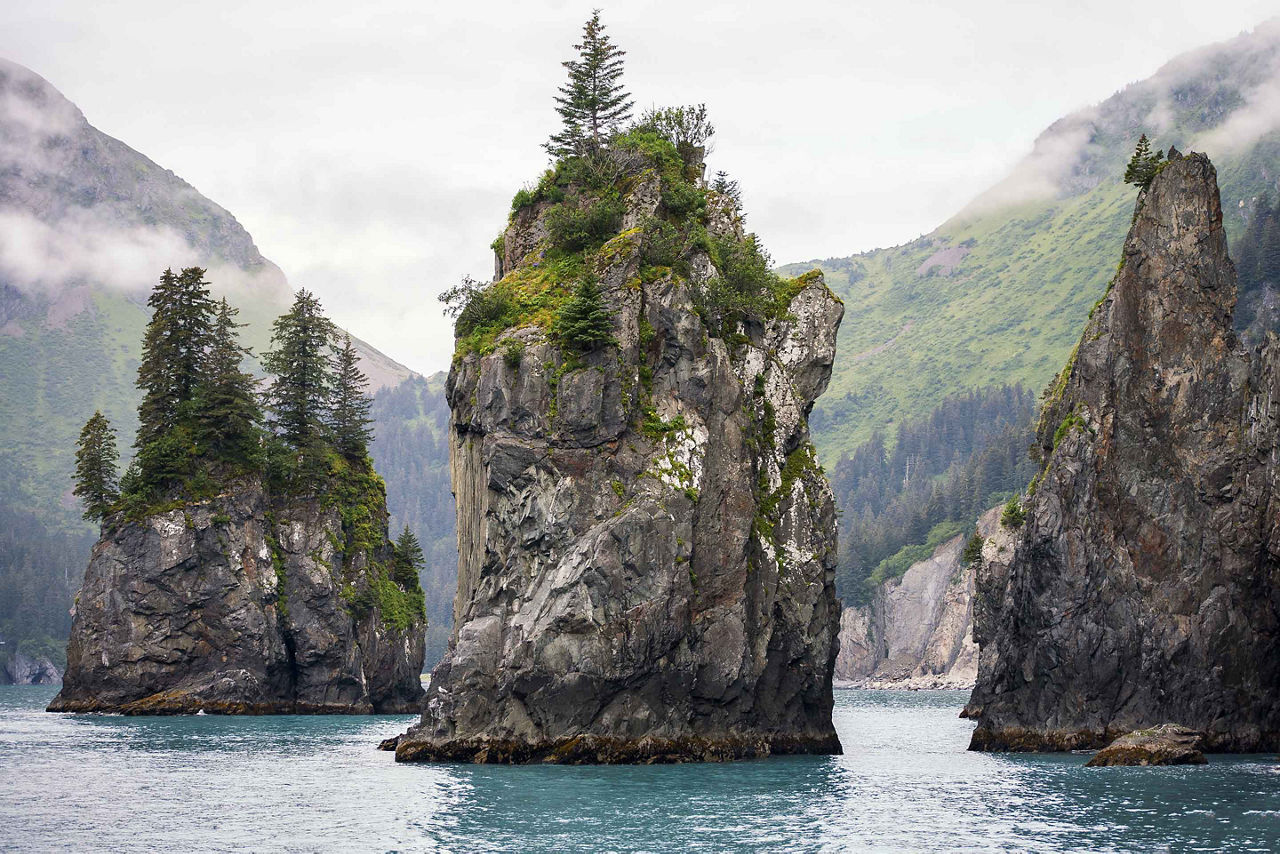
column 307, row 783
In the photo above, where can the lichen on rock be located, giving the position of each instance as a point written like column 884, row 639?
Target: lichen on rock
column 646, row 543
column 1144, row 583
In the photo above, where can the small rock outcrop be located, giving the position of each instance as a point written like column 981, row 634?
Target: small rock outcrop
column 1144, row 584
column 646, row 542
column 18, row 668
column 242, row 605
column 917, row 631
column 1167, row 744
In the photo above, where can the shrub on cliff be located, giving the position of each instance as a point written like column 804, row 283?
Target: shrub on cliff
column 574, row 228
column 584, row 323
column 747, row 288
column 1014, row 514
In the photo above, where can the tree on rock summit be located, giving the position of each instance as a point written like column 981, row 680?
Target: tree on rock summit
column 299, row 361
column 96, row 458
column 174, row 349
column 1144, row 165
column 228, row 413
column 349, row 414
column 593, row 103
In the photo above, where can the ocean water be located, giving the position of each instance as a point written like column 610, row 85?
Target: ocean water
column 906, row 782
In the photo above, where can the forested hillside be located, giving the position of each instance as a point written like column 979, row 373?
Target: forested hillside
column 410, row 449
column 997, row 294
column 899, row 500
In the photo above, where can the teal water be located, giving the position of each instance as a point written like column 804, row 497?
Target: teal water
column 316, row 783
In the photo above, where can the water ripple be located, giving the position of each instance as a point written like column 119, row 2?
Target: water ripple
column 315, row 783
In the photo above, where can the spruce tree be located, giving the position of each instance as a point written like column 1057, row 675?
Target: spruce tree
column 583, row 322
column 1144, row 165
column 593, row 103
column 227, row 412
column 96, row 460
column 408, row 558
column 299, row 392
column 173, row 352
column 349, row 411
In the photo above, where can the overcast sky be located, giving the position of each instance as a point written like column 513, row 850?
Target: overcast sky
column 372, row 148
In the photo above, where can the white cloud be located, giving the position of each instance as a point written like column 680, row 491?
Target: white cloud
column 371, row 149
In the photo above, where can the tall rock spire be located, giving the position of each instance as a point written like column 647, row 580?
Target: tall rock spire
column 1144, row 585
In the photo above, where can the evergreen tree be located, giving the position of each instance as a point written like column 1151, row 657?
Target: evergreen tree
column 299, row 392
column 96, row 467
column 592, row 104
column 227, row 411
column 173, row 352
column 583, row 322
column 409, row 558
column 1144, row 165
column 349, row 411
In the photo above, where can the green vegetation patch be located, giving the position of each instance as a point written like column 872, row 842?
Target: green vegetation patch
column 897, row 564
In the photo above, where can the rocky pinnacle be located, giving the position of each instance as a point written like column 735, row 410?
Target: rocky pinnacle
column 1144, row 585
column 646, row 543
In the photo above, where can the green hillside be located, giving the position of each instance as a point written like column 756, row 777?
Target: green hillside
column 997, row 294
column 89, row 224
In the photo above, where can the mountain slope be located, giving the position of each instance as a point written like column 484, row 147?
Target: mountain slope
column 86, row 226
column 995, row 295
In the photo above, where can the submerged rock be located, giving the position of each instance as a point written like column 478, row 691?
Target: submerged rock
column 1144, row 584
column 242, row 605
column 1167, row 744
column 646, row 542
column 917, row 631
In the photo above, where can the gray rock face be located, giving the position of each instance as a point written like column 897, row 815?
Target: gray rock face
column 1167, row 744
column 917, row 632
column 22, row 669
column 1144, row 585
column 630, row 593
column 237, row 606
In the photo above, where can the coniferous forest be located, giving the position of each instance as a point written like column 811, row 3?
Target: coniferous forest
column 898, row 501
column 206, row 426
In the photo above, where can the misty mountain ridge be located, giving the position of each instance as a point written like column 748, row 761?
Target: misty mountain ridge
column 86, row 226
column 996, row 294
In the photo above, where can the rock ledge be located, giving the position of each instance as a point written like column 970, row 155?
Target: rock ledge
column 1167, row 744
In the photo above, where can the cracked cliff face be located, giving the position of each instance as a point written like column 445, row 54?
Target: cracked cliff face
column 917, row 631
column 646, row 543
column 1144, row 585
column 239, row 606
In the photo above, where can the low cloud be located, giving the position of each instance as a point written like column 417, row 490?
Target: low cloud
column 1235, row 83
column 78, row 249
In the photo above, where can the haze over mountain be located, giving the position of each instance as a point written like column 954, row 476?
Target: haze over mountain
column 996, row 293
column 86, row 226
column 372, row 149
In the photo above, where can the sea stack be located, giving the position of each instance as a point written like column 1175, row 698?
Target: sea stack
column 1143, row 585
column 647, row 544
column 242, row 604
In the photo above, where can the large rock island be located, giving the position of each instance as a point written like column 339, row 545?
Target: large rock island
column 646, row 542
column 244, row 565
column 1143, row 586
column 243, row 604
